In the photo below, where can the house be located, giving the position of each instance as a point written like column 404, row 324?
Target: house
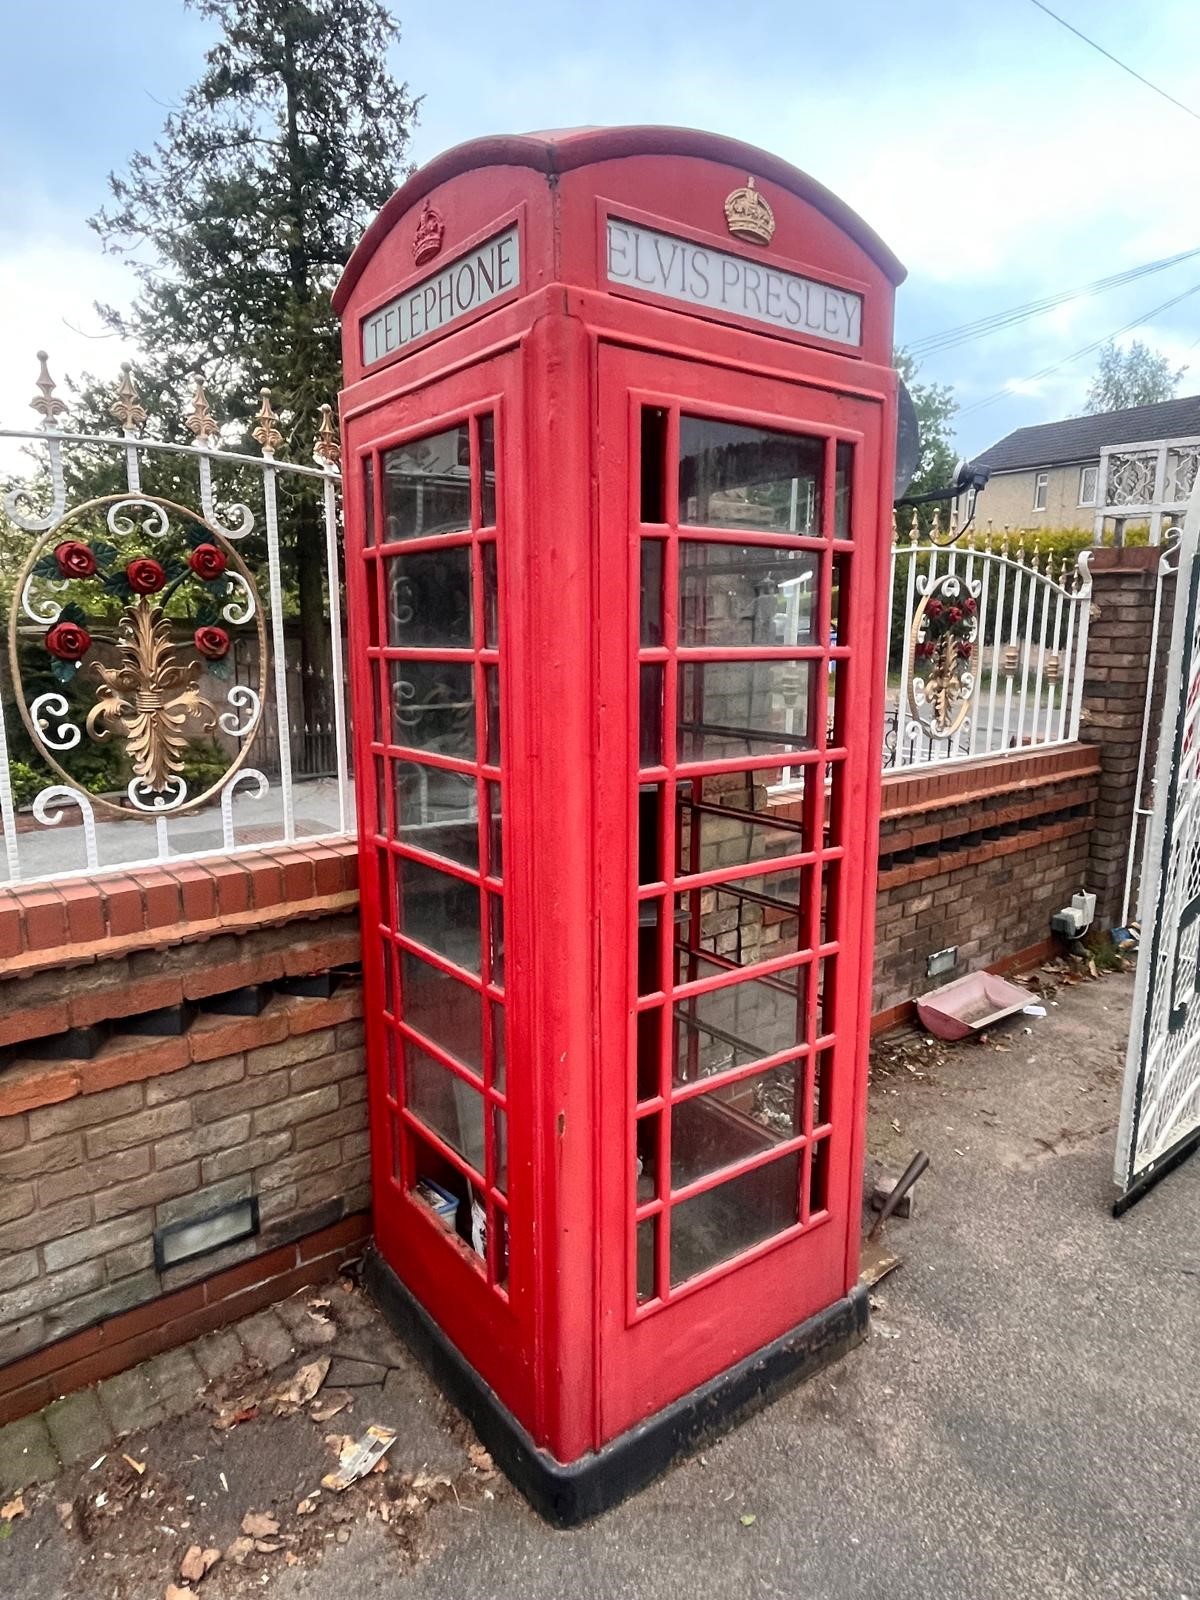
column 1132, row 465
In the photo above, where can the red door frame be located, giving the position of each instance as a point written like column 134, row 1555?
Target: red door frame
column 652, row 1353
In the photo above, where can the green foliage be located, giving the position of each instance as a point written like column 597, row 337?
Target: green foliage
column 936, row 408
column 1131, row 376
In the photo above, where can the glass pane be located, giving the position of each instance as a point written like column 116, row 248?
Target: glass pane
column 500, row 1148
column 841, row 571
column 726, row 1220
column 818, row 1181
column 444, row 1010
column 729, row 821
column 732, row 1123
column 436, row 811
column 498, row 1070
column 646, row 1165
column 429, row 599
column 427, row 486
column 649, row 809
column 646, row 1258
column 654, row 462
column 496, row 923
column 433, row 706
column 742, row 595
column 487, row 456
column 369, row 498
column 444, row 1103
column 652, row 591
column 439, row 911
column 749, row 920
column 491, row 677
column 650, row 713
column 843, row 483
column 734, row 708
column 495, row 831
column 732, row 476
column 491, row 596
column 737, row 1025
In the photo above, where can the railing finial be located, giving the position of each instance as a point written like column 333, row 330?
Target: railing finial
column 267, row 434
column 127, row 407
column 200, row 422
column 44, row 402
column 327, row 449
column 914, row 528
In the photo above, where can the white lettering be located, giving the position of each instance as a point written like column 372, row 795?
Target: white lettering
column 462, row 286
column 673, row 267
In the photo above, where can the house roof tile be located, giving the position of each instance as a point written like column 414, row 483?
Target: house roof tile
column 1051, row 444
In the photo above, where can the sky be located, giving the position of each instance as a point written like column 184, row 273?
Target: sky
column 1000, row 157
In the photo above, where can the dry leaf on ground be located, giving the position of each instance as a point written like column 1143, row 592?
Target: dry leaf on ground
column 481, row 1461
column 330, row 1404
column 13, row 1509
column 260, row 1524
column 197, row 1562
column 239, row 1549
column 138, row 1466
column 178, row 1592
column 303, row 1386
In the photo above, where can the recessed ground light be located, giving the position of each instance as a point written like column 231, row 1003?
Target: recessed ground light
column 184, row 1241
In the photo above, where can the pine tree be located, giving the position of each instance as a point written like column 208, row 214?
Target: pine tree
column 242, row 217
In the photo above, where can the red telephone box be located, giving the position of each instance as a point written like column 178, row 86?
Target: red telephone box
column 619, row 419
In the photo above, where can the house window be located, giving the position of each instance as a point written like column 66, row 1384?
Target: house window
column 1039, row 491
column 1088, row 481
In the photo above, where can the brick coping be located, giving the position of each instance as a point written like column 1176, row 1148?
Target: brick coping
column 50, row 925
column 929, row 789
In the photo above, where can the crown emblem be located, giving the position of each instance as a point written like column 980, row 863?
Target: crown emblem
column 748, row 214
column 430, row 231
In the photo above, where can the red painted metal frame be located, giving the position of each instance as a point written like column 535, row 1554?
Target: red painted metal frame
column 564, row 368
column 657, row 1349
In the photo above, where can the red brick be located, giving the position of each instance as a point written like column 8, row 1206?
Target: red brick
column 127, row 999
column 123, row 907
column 213, row 1036
column 45, row 916
column 85, row 912
column 33, row 1022
column 232, row 883
column 266, row 882
column 12, row 940
column 161, row 898
column 36, row 1086
column 298, row 876
column 198, row 891
column 129, row 1059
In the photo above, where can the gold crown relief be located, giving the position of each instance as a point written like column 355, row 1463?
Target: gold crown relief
column 748, row 214
column 430, row 232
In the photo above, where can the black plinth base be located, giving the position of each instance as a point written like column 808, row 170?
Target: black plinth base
column 567, row 1495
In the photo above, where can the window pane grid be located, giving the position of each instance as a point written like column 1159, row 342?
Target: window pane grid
column 786, row 1168
column 440, row 599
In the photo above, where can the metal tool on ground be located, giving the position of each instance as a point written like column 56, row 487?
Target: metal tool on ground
column 877, row 1261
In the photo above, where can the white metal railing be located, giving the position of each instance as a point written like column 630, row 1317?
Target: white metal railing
column 986, row 649
column 156, row 702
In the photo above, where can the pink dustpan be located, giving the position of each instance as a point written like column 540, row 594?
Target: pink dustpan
column 970, row 1004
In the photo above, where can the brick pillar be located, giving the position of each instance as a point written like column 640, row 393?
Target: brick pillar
column 1123, row 589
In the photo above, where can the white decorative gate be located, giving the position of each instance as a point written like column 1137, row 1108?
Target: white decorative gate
column 1160, row 1108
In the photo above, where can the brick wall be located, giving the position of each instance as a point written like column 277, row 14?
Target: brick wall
column 153, row 1072
column 979, row 857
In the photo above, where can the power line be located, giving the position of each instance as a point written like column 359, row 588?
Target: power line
column 1046, row 372
column 967, row 332
column 1116, row 60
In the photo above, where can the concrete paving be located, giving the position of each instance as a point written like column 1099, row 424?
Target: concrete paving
column 1022, row 1421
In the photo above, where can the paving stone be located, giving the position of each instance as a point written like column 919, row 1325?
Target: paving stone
column 129, row 1402
column 176, row 1379
column 218, row 1353
column 349, row 1374
column 412, row 1405
column 379, row 1345
column 266, row 1339
column 26, row 1455
column 307, row 1331
column 78, row 1427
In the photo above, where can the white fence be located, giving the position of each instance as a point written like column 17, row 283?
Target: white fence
column 149, row 710
column 987, row 647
